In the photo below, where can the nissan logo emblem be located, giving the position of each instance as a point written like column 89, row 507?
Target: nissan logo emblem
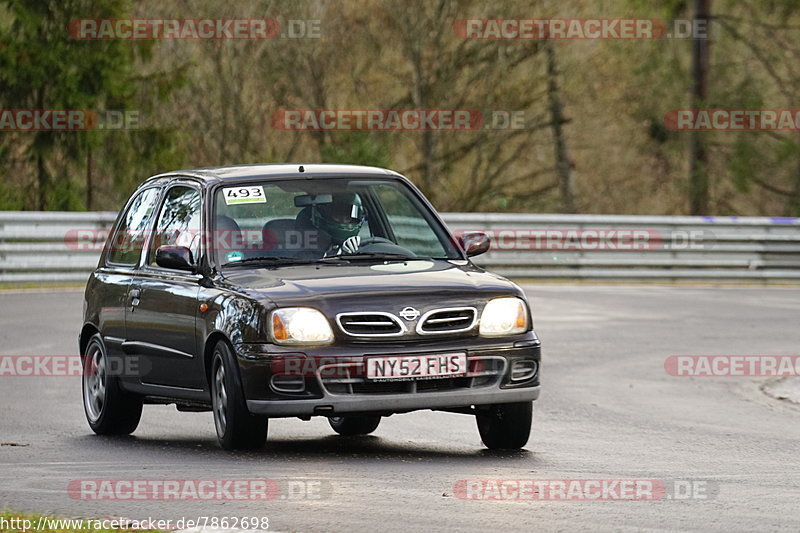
column 409, row 313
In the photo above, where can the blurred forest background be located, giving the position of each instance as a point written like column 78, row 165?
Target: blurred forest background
column 594, row 141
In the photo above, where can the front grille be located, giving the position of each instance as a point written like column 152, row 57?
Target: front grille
column 442, row 384
column 422, row 385
column 381, row 387
column 447, row 320
column 370, row 324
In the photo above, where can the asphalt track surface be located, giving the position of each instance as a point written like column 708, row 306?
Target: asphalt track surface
column 608, row 411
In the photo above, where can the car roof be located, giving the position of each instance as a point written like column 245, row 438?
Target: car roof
column 280, row 170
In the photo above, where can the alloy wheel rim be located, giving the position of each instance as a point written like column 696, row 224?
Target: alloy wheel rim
column 220, row 400
column 94, row 383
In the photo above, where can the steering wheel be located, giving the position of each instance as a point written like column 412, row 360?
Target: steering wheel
column 375, row 240
column 381, row 245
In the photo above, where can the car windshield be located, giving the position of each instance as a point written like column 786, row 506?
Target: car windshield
column 276, row 222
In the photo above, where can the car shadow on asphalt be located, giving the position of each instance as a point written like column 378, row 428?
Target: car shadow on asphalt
column 370, row 447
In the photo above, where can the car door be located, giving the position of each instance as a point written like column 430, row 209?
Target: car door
column 161, row 318
column 111, row 281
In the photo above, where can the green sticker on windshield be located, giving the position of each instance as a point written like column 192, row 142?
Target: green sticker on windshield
column 232, row 257
column 244, row 195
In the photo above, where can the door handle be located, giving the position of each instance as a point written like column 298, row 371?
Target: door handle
column 134, row 294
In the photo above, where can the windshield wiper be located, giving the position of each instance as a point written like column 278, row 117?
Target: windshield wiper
column 273, row 260
column 370, row 256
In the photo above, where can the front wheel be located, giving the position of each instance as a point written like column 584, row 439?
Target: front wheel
column 354, row 425
column 109, row 409
column 237, row 429
column 505, row 426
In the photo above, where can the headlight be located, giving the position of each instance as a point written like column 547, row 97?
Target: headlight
column 504, row 316
column 300, row 325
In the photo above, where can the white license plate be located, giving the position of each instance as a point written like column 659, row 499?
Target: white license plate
column 406, row 367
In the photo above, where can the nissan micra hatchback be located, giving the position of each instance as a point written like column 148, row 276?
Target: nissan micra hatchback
column 258, row 292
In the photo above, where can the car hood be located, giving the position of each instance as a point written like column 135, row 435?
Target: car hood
column 422, row 284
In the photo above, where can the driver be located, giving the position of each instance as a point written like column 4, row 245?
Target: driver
column 342, row 220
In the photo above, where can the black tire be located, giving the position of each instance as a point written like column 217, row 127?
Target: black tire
column 354, row 425
column 109, row 410
column 237, row 429
column 506, row 426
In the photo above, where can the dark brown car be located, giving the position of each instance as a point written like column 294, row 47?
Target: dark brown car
column 297, row 291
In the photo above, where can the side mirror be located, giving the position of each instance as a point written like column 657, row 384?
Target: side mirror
column 175, row 257
column 475, row 243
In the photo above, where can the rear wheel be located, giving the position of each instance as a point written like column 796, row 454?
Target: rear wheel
column 237, row 429
column 506, row 426
column 354, row 425
column 109, row 409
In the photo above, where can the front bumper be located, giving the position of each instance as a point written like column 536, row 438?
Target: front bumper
column 330, row 389
column 331, row 405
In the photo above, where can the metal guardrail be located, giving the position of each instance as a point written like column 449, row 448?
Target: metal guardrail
column 44, row 247
column 41, row 247
column 640, row 247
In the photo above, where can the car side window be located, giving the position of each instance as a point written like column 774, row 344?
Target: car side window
column 127, row 241
column 179, row 221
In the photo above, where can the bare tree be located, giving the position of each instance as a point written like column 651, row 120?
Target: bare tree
column 698, row 156
column 564, row 165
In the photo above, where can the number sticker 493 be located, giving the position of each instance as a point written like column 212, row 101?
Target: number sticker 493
column 244, row 195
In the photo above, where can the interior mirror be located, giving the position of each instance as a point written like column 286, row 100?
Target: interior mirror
column 307, row 199
column 475, row 243
column 175, row 257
